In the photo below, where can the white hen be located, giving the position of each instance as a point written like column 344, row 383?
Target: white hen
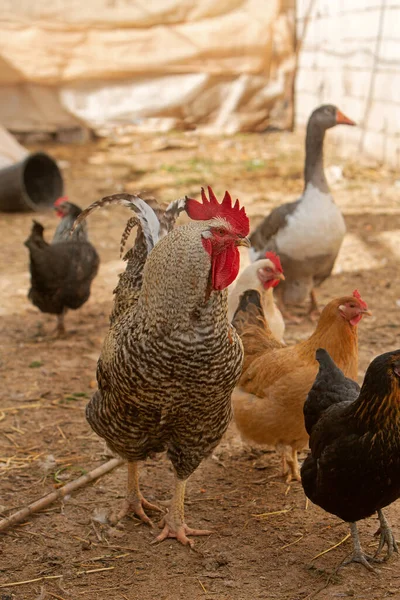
column 263, row 275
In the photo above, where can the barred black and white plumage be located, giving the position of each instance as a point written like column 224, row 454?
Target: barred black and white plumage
column 167, row 219
column 171, row 359
column 164, row 358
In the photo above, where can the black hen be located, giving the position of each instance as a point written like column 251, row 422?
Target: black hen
column 61, row 272
column 331, row 386
column 353, row 469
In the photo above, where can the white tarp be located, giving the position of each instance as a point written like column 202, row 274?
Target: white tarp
column 10, row 150
column 223, row 65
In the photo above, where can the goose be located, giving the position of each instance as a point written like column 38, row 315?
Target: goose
column 307, row 233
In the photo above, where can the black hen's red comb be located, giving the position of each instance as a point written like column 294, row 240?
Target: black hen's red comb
column 210, row 208
column 356, row 294
column 61, row 200
column 274, row 258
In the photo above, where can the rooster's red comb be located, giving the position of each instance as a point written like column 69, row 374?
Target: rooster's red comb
column 356, row 294
column 274, row 258
column 210, row 208
column 61, row 200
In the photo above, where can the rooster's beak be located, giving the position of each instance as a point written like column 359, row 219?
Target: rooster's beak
column 243, row 241
column 280, row 276
column 367, row 313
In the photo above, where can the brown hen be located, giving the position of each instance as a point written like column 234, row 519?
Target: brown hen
column 268, row 402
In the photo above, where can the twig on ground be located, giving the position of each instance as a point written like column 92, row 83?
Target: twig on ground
column 44, row 502
column 269, row 514
column 54, row 595
column 14, row 583
column 104, row 557
column 61, row 432
column 118, row 547
column 346, row 537
column 95, row 570
column 291, row 543
column 21, row 407
column 202, row 586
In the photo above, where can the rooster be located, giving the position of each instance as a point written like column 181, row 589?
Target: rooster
column 263, row 275
column 268, row 403
column 353, row 469
column 171, row 358
column 61, row 272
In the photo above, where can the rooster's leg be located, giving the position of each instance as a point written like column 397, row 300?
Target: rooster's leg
column 358, row 554
column 173, row 523
column 134, row 501
column 387, row 536
column 313, row 311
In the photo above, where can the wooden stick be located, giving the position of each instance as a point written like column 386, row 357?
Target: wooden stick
column 25, row 512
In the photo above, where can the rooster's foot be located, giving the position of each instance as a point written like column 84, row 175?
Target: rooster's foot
column 386, row 537
column 135, row 506
column 180, row 531
column 134, row 500
column 173, row 523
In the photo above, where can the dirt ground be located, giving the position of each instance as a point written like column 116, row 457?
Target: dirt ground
column 267, row 542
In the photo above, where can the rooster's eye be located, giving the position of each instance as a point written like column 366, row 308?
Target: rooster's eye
column 221, row 231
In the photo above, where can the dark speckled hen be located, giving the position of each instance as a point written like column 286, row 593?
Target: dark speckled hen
column 171, row 358
column 62, row 271
column 353, row 469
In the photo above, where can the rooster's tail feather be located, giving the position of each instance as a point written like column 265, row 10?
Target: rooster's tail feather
column 146, row 217
column 171, row 214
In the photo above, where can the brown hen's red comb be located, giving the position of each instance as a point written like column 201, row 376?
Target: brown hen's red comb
column 274, row 258
column 210, row 208
column 356, row 294
column 60, row 200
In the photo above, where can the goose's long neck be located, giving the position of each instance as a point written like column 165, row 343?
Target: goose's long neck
column 314, row 165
